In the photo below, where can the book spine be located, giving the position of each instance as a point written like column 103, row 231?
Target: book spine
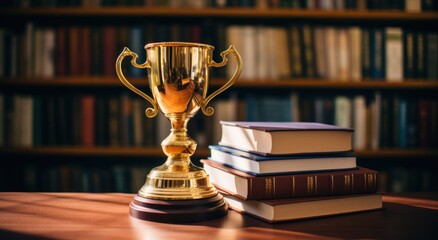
column 365, row 53
column 87, row 120
column 394, row 55
column 432, row 57
column 377, row 54
column 74, row 61
column 420, row 65
column 279, row 187
column 408, row 54
column 295, row 48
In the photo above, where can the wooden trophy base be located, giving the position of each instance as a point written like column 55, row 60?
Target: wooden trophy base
column 178, row 211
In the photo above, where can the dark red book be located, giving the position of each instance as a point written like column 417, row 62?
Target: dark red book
column 250, row 187
column 87, row 120
column 109, row 50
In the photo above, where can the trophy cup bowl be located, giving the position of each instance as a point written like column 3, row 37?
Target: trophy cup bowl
column 178, row 74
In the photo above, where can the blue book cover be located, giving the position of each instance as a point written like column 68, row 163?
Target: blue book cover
column 377, row 52
column 260, row 157
column 403, row 123
column 136, row 44
column 259, row 165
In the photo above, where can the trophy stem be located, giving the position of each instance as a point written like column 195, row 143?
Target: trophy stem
column 178, row 146
column 178, row 178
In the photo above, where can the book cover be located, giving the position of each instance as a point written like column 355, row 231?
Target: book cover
column 85, row 50
column 102, row 119
column 319, row 48
column 343, row 111
column 432, row 56
column 38, row 52
column 136, row 44
column 354, row 53
column 394, row 54
column 420, row 55
column 365, row 53
column 247, row 35
column 343, row 67
column 96, row 44
column 126, row 121
column 114, row 111
column 286, row 137
column 303, row 208
column 377, row 53
column 402, row 123
column 74, row 50
column 109, row 35
column 280, row 41
column 87, row 120
column 308, row 51
column 61, row 51
column 47, row 55
column 360, row 122
column 408, row 54
column 26, row 123
column 257, row 164
column 291, row 185
column 331, row 48
column 295, row 43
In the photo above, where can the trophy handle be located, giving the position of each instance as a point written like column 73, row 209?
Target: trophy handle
column 208, row 111
column 150, row 112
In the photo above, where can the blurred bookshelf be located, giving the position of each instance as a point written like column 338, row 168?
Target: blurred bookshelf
column 58, row 59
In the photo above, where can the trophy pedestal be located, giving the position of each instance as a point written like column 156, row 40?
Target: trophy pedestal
column 178, row 211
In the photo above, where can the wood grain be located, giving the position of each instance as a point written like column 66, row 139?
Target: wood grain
column 105, row 216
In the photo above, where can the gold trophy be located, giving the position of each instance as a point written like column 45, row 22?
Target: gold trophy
column 179, row 74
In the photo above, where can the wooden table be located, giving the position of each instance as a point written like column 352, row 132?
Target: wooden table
column 105, row 216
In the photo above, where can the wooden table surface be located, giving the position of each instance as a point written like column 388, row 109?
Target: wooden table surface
column 105, row 216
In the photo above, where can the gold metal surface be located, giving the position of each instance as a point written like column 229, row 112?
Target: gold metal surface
column 178, row 74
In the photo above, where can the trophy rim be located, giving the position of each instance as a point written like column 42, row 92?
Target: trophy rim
column 177, row 44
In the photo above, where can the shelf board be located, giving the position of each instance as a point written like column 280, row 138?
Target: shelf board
column 91, row 81
column 141, row 11
column 93, row 151
column 200, row 153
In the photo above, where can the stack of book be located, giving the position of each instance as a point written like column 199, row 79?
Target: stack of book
column 279, row 171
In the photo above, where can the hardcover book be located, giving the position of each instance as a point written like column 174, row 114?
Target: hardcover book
column 250, row 187
column 257, row 164
column 281, row 210
column 286, row 137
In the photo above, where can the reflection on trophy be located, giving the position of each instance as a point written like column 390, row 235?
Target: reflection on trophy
column 178, row 73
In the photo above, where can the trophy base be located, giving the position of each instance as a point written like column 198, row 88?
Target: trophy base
column 178, row 211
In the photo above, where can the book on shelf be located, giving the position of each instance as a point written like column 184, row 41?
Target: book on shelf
column 279, row 210
column 286, row 137
column 394, row 54
column 347, row 53
column 291, row 185
column 87, row 120
column 257, row 164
